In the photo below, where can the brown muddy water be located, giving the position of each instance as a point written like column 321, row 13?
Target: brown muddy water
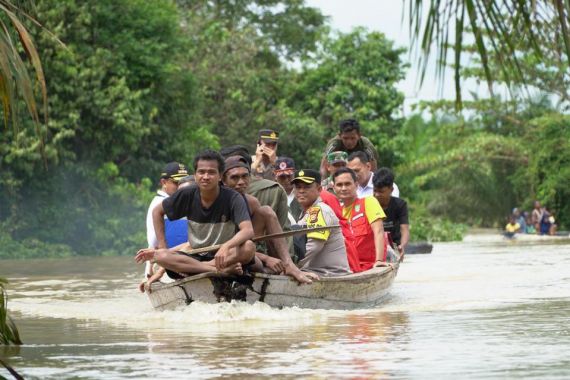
column 482, row 308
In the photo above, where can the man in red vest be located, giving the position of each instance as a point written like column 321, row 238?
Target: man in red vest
column 364, row 216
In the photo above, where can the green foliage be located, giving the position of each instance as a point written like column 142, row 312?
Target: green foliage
column 16, row 82
column 8, row 330
column 497, row 28
column 289, row 27
column 353, row 75
column 426, row 227
column 31, row 248
column 547, row 175
column 460, row 172
column 121, row 105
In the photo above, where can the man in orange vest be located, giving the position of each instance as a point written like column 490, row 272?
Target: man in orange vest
column 364, row 216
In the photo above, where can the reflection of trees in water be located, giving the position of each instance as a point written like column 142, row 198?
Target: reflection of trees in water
column 361, row 342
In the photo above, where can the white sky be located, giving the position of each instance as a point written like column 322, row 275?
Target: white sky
column 386, row 16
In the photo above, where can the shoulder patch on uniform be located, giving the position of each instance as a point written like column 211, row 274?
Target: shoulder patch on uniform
column 313, row 214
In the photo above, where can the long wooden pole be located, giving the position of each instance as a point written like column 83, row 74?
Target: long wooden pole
column 266, row 237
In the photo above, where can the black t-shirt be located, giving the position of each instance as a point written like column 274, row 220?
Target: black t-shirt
column 207, row 226
column 396, row 214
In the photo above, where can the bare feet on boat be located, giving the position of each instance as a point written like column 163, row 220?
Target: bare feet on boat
column 235, row 269
column 144, row 286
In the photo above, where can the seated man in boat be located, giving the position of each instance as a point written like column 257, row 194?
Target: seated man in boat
column 186, row 181
column 265, row 154
column 176, row 231
column 396, row 209
column 335, row 161
column 512, row 227
column 365, row 218
column 349, row 140
column 360, row 163
column 283, row 174
column 325, row 252
column 267, row 192
column 216, row 215
column 236, row 176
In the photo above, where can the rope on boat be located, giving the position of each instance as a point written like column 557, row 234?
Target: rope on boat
column 188, row 299
column 227, row 289
column 263, row 289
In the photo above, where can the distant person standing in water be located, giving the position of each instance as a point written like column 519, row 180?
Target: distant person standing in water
column 512, row 227
column 536, row 216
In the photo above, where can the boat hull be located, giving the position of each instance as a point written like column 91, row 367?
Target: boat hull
column 421, row 247
column 354, row 291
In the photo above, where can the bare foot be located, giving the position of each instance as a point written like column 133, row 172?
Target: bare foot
column 235, row 269
column 142, row 286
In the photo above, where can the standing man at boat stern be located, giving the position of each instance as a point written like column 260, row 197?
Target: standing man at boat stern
column 325, row 252
column 216, row 215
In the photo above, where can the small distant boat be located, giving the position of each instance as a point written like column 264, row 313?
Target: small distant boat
column 534, row 237
column 354, row 291
column 419, row 247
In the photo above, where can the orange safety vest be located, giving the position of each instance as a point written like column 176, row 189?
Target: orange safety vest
column 351, row 254
column 363, row 235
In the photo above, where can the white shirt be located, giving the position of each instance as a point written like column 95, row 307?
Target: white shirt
column 150, row 233
column 368, row 190
column 290, row 197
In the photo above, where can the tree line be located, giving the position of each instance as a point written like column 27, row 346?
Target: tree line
column 140, row 83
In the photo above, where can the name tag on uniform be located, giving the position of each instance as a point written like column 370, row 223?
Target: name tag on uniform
column 357, row 216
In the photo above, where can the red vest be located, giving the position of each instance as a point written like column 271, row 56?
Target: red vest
column 363, row 235
column 352, row 255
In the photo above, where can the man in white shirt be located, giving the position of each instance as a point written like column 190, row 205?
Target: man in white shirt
column 360, row 164
column 170, row 176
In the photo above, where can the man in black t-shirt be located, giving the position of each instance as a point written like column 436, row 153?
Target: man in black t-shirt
column 396, row 209
column 216, row 215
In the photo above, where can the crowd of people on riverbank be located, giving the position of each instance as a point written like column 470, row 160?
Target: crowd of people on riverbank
column 539, row 221
column 208, row 222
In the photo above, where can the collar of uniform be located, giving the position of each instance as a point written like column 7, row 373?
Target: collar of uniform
column 161, row 193
column 316, row 202
column 369, row 185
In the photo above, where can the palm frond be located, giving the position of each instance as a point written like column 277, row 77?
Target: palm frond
column 15, row 79
column 8, row 331
column 492, row 24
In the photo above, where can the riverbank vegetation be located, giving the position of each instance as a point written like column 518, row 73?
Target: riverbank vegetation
column 141, row 83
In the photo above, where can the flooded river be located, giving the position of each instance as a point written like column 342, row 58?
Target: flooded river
column 482, row 308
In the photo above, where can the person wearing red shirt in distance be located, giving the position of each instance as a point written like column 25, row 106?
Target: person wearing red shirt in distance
column 364, row 216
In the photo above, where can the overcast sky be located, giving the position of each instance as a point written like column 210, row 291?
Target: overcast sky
column 386, row 16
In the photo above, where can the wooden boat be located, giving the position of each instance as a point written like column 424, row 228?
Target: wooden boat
column 419, row 247
column 354, row 291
